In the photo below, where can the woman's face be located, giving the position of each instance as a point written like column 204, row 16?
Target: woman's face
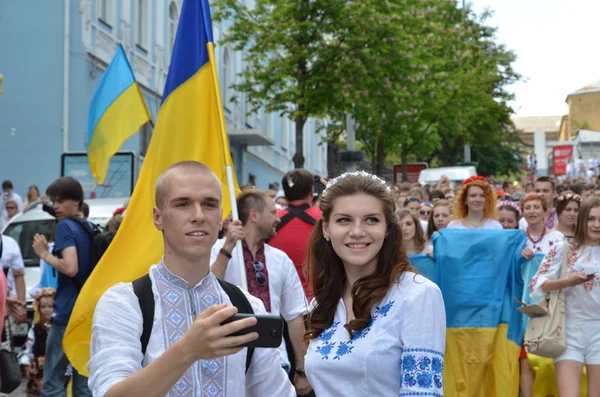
column 508, row 219
column 441, row 217
column 533, row 212
column 413, row 205
column 407, row 225
column 425, row 212
column 475, row 199
column 568, row 216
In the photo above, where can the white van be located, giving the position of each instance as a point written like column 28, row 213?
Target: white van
column 457, row 175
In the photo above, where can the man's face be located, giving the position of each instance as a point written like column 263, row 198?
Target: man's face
column 65, row 208
column 587, row 195
column 545, row 190
column 190, row 215
column 11, row 209
column 267, row 220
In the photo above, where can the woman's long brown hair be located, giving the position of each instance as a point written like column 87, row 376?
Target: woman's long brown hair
column 581, row 228
column 327, row 276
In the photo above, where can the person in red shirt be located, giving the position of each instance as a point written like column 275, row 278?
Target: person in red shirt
column 297, row 221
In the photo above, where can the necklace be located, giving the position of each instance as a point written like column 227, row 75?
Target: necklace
column 539, row 238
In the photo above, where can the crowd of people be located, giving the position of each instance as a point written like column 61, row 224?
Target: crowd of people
column 335, row 265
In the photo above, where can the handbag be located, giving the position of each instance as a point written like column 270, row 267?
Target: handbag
column 10, row 371
column 546, row 334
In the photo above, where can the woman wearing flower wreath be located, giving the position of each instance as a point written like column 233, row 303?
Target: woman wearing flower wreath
column 582, row 287
column 509, row 214
column 475, row 206
column 567, row 208
column 376, row 328
column 539, row 238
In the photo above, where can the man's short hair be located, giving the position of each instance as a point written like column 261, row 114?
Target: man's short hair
column 66, row 188
column 7, row 185
column 251, row 199
column 506, row 185
column 85, row 210
column 546, row 180
column 579, row 188
column 297, row 184
column 185, row 166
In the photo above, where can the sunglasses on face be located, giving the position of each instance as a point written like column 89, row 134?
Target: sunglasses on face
column 261, row 277
column 423, row 212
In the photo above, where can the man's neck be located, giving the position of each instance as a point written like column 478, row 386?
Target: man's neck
column 191, row 271
column 298, row 203
column 253, row 239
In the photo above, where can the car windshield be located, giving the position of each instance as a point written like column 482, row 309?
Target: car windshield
column 23, row 233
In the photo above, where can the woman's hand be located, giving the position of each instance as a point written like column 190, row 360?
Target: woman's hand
column 527, row 253
column 579, row 278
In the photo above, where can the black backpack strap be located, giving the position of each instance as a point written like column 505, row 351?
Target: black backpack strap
column 142, row 287
column 239, row 300
column 296, row 212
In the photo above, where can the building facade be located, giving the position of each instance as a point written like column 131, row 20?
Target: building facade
column 53, row 55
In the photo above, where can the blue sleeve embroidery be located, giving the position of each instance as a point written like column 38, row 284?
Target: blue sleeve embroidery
column 422, row 373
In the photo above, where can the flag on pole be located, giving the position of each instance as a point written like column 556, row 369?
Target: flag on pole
column 189, row 126
column 116, row 113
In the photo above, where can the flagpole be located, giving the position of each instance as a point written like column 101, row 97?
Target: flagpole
column 228, row 167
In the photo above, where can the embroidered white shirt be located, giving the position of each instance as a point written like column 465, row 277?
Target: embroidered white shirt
column 583, row 300
column 285, row 289
column 489, row 224
column 550, row 239
column 116, row 347
column 12, row 260
column 400, row 353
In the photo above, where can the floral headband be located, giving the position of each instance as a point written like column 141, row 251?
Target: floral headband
column 362, row 174
column 510, row 204
column 569, row 196
column 45, row 293
column 475, row 178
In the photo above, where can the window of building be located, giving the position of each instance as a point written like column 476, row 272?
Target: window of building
column 227, row 77
column 142, row 24
column 173, row 21
column 105, row 12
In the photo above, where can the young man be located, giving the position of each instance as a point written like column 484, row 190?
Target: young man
column 71, row 259
column 297, row 221
column 584, row 190
column 546, row 188
column 189, row 353
column 270, row 274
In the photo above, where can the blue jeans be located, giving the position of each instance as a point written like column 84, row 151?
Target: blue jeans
column 55, row 367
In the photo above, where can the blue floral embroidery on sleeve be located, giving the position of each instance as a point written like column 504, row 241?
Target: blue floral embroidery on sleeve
column 422, row 372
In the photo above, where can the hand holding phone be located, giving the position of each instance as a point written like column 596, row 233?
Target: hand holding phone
column 268, row 327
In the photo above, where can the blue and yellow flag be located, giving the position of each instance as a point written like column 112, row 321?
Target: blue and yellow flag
column 190, row 126
column 116, row 113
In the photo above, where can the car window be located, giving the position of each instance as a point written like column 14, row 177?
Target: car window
column 23, row 233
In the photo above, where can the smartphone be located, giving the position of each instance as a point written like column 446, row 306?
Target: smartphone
column 268, row 327
column 318, row 185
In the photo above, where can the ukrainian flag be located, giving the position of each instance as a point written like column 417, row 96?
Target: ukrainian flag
column 479, row 275
column 116, row 113
column 190, row 126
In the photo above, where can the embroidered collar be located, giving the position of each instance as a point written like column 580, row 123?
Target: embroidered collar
column 164, row 272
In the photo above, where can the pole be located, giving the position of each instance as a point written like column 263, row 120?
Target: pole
column 66, row 52
column 228, row 167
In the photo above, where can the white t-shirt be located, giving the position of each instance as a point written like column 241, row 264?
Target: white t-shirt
column 11, row 259
column 285, row 290
column 405, row 340
column 489, row 224
column 583, row 300
column 118, row 324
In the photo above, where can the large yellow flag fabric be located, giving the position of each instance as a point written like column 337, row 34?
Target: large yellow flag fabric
column 190, row 126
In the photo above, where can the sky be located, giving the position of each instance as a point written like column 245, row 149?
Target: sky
column 556, row 42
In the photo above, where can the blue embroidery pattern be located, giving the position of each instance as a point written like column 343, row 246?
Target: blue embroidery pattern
column 422, row 372
column 177, row 319
column 345, row 348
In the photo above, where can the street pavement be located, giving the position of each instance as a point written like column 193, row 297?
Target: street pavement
column 20, row 392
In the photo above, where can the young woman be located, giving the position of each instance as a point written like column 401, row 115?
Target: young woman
column 567, row 208
column 440, row 217
column 376, row 328
column 539, row 238
column 582, row 286
column 475, row 206
column 425, row 211
column 33, row 196
column 509, row 214
column 413, row 236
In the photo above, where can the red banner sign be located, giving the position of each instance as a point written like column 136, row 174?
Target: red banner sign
column 412, row 169
column 560, row 157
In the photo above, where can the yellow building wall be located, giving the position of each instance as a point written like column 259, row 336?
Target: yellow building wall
column 584, row 113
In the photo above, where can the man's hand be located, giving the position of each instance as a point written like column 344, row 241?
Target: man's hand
column 235, row 232
column 16, row 309
column 301, row 384
column 208, row 339
column 40, row 245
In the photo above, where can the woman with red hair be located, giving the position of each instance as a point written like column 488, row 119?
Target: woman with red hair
column 475, row 206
